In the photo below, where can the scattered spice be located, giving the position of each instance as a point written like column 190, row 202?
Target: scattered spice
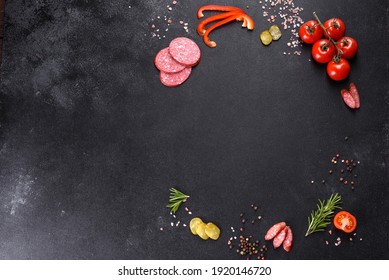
column 287, row 13
column 245, row 246
column 164, row 21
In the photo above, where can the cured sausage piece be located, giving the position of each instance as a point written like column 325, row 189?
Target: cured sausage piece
column 274, row 230
column 185, row 51
column 355, row 95
column 279, row 239
column 175, row 79
column 348, row 99
column 288, row 240
column 166, row 63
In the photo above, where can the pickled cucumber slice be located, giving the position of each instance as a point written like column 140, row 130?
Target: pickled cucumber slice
column 275, row 32
column 212, row 231
column 266, row 37
column 193, row 225
column 200, row 230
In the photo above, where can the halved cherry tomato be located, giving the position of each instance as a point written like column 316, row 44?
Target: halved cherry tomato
column 310, row 32
column 348, row 46
column 338, row 70
column 345, row 221
column 335, row 28
column 323, row 51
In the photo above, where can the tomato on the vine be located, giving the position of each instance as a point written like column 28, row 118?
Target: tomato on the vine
column 345, row 221
column 335, row 28
column 338, row 69
column 348, row 46
column 310, row 32
column 323, row 51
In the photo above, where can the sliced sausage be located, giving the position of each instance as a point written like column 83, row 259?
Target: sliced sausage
column 166, row 63
column 280, row 237
column 274, row 230
column 175, row 79
column 185, row 51
column 355, row 95
column 348, row 99
column 288, row 240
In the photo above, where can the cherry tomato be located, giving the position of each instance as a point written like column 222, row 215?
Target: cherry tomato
column 338, row 70
column 310, row 32
column 345, row 221
column 335, row 27
column 348, row 46
column 323, row 51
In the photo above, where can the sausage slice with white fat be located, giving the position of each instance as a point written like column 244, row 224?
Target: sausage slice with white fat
column 274, row 230
column 288, row 240
column 166, row 63
column 185, row 51
column 280, row 237
column 175, row 79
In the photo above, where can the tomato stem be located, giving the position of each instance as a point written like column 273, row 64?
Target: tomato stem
column 339, row 51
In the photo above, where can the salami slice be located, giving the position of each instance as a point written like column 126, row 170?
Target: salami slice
column 280, row 237
column 185, row 51
column 348, row 99
column 274, row 230
column 175, row 79
column 166, row 63
column 287, row 245
column 355, row 95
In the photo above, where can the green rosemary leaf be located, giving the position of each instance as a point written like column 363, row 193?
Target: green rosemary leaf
column 176, row 198
column 321, row 218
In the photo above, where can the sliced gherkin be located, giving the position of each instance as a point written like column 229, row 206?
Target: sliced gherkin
column 193, row 225
column 266, row 37
column 275, row 32
column 200, row 230
column 212, row 231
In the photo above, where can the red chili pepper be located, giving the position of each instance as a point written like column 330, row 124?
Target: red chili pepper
column 206, row 39
column 212, row 44
column 202, row 25
column 216, row 8
column 248, row 22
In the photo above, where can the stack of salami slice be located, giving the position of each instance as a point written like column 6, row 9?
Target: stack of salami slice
column 176, row 61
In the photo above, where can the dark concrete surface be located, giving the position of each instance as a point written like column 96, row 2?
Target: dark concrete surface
column 90, row 141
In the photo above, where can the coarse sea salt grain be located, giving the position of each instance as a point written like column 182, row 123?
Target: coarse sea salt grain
column 289, row 13
column 164, row 21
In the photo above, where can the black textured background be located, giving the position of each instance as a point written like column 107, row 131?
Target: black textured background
column 91, row 141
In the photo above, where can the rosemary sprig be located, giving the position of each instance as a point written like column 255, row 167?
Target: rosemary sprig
column 176, row 198
column 321, row 218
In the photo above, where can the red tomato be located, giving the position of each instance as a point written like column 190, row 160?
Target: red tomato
column 310, row 32
column 323, row 51
column 335, row 27
column 338, row 70
column 345, row 221
column 348, row 46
